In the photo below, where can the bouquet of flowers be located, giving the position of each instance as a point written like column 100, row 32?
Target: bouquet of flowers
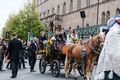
column 74, row 40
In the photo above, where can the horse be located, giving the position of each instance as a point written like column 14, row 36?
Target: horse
column 92, row 51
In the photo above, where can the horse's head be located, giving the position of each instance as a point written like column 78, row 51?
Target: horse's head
column 99, row 39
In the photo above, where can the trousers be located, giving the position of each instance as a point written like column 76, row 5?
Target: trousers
column 32, row 62
column 14, row 67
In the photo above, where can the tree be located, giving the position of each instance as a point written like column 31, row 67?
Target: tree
column 26, row 20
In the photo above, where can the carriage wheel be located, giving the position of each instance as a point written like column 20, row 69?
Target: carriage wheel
column 80, row 70
column 42, row 65
column 55, row 68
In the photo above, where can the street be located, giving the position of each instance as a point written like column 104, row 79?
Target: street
column 25, row 74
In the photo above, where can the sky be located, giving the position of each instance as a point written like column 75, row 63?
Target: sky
column 7, row 7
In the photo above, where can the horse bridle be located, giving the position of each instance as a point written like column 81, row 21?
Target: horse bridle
column 93, row 49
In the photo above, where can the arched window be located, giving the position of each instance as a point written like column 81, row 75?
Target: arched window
column 108, row 16
column 78, row 4
column 44, row 14
column 48, row 12
column 58, row 10
column 103, row 18
column 40, row 15
column 53, row 10
column 117, row 11
column 37, row 2
column 88, row 2
column 64, row 8
column 71, row 5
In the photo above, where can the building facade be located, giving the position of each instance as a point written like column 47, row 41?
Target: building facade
column 66, row 13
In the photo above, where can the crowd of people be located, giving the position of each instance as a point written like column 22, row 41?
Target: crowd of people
column 14, row 52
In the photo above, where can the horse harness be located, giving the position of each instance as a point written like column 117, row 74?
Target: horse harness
column 91, row 46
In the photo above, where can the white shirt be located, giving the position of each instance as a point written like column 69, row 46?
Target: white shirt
column 70, row 37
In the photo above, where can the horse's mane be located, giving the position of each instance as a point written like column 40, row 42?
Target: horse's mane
column 92, row 38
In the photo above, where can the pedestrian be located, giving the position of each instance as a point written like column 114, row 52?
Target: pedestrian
column 1, row 61
column 42, row 39
column 109, row 61
column 3, row 51
column 13, row 53
column 23, row 56
column 33, row 50
column 72, row 37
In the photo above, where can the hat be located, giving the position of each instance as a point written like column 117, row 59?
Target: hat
column 113, row 20
column 117, row 19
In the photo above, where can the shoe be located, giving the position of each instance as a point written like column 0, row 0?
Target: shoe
column 32, row 71
column 13, row 76
column 24, row 67
column 2, row 70
column 7, row 68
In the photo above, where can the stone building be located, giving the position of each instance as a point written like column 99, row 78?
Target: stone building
column 66, row 13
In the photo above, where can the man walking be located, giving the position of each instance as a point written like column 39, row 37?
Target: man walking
column 13, row 52
column 33, row 49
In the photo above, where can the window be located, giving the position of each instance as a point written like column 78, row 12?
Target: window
column 40, row 15
column 78, row 4
column 48, row 12
column 108, row 16
column 117, row 11
column 58, row 10
column 71, row 5
column 88, row 2
column 37, row 2
column 53, row 10
column 64, row 8
column 44, row 14
column 103, row 18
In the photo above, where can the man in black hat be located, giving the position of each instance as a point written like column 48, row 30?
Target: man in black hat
column 13, row 52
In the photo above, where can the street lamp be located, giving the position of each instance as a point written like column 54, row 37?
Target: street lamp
column 82, row 14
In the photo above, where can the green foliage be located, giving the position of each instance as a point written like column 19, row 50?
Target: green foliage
column 26, row 20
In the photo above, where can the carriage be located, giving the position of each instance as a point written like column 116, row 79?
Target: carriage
column 52, row 56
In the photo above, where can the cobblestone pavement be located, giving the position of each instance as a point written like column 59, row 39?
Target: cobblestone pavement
column 25, row 74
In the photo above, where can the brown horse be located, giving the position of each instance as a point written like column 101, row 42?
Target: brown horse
column 92, row 51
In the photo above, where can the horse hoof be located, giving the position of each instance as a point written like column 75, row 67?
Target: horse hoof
column 85, row 78
column 66, row 77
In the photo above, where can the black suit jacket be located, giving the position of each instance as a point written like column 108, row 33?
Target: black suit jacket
column 33, row 49
column 14, row 49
